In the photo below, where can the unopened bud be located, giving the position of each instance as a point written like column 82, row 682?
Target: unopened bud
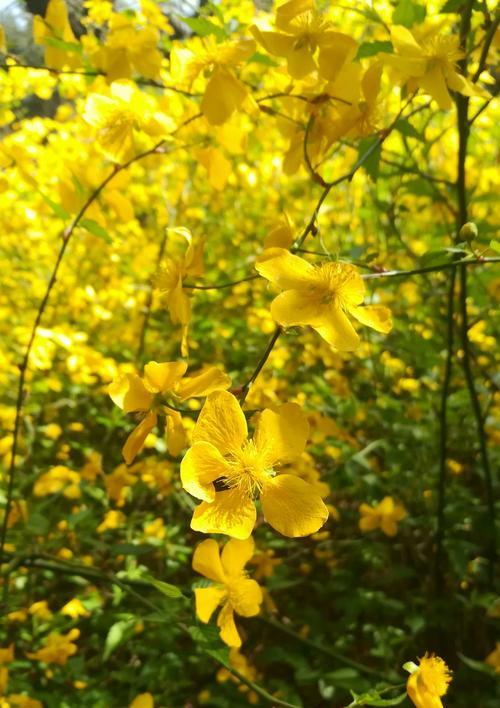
column 468, row 232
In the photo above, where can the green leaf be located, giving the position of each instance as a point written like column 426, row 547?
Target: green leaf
column 372, row 698
column 203, row 27
column 73, row 47
column 441, row 256
column 369, row 49
column 166, row 589
column 131, row 549
column 117, row 634
column 477, row 665
column 404, row 127
column 259, row 58
column 369, row 153
column 56, row 208
column 495, row 245
column 96, row 229
column 408, row 13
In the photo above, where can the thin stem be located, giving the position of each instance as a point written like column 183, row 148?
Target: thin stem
column 265, row 356
column 488, row 39
column 429, row 269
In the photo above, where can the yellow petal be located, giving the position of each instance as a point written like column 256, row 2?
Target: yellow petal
column 225, row 622
column 201, row 466
column 389, row 527
column 203, row 384
column 338, row 331
column 404, row 42
column 375, row 316
column 292, row 506
column 223, row 95
column 230, row 513
column 274, row 42
column 163, row 377
column 300, row 61
column 143, row 700
column 217, row 166
column 332, row 56
column 288, row 11
column 206, row 561
column 281, row 434
column 298, row 307
column 179, row 306
column 221, row 422
column 284, row 269
column 236, row 554
column 176, row 435
column 136, row 439
column 371, row 83
column 246, row 596
column 434, row 83
column 130, row 394
column 207, row 600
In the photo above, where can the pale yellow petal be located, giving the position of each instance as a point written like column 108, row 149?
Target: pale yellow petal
column 338, row 331
column 207, row 600
column 284, row 269
column 221, row 422
column 375, row 316
column 298, row 307
column 223, row 95
column 281, row 434
column 292, row 506
column 434, row 83
column 130, row 393
column 230, row 513
column 206, row 561
column 201, row 466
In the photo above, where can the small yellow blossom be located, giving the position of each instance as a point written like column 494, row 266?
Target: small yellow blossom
column 52, row 31
column 493, row 659
column 163, row 385
column 384, row 516
column 247, row 468
column 143, row 700
column 57, row 648
column 428, row 682
column 231, row 588
column 121, row 117
column 320, row 296
column 74, row 609
column 243, row 666
column 129, row 49
column 112, row 520
column 40, row 610
column 58, row 479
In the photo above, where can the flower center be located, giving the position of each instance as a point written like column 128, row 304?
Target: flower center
column 248, row 470
column 331, row 282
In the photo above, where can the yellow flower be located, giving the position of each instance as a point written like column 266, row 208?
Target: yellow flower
column 493, row 659
column 57, row 648
column 171, row 276
column 121, row 116
column 113, row 519
column 320, row 296
column 52, row 29
column 74, row 609
column 163, row 384
column 384, row 516
column 231, row 588
column 428, row 682
column 224, row 93
column 19, row 700
column 243, row 666
column 429, row 65
column 304, row 31
column 128, row 48
column 58, row 479
column 247, row 469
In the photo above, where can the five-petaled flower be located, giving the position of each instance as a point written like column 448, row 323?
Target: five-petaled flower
column 163, row 384
column 57, row 648
column 385, row 516
column 429, row 64
column 231, row 588
column 246, row 469
column 428, row 681
column 320, row 296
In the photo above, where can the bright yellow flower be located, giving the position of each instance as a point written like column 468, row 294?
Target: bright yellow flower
column 171, row 276
column 54, row 28
column 428, row 682
column 430, row 64
column 243, row 666
column 58, row 479
column 19, row 700
column 304, row 31
column 113, row 519
column 248, row 470
column 128, row 48
column 320, row 296
column 493, row 659
column 121, row 117
column 231, row 588
column 224, row 93
column 74, row 609
column 163, row 384
column 57, row 648
column 384, row 516
column 7, row 654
